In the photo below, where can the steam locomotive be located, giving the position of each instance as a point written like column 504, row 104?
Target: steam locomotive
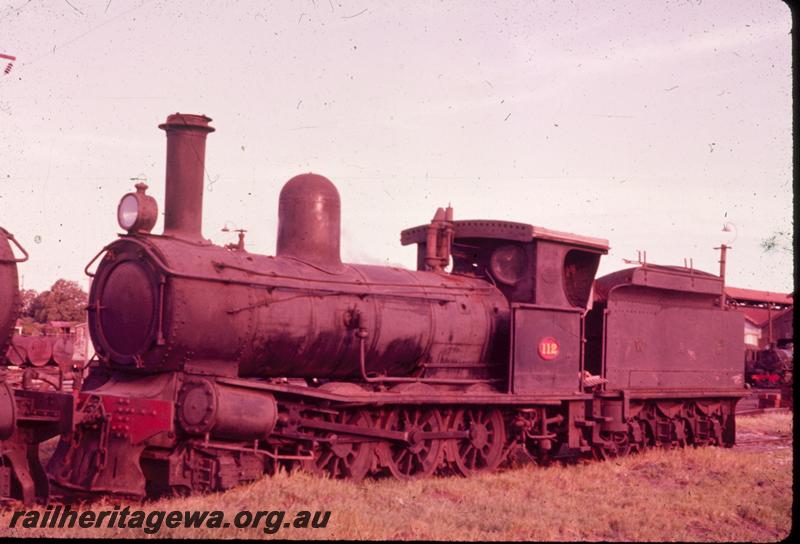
column 770, row 367
column 27, row 416
column 218, row 365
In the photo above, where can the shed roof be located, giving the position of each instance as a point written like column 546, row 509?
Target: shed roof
column 756, row 296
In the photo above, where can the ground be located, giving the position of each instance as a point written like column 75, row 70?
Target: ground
column 707, row 494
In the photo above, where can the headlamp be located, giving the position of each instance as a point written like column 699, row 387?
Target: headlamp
column 137, row 212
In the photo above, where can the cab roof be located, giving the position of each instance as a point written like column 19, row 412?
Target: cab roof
column 505, row 230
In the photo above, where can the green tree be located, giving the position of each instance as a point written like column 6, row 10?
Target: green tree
column 65, row 301
column 27, row 296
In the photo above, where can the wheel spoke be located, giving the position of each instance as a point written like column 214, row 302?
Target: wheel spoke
column 345, row 459
column 417, row 458
column 325, row 458
column 473, row 462
column 483, row 449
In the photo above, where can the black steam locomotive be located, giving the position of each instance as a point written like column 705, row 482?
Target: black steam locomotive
column 217, row 365
column 27, row 416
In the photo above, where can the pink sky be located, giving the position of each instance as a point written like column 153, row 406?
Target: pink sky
column 647, row 123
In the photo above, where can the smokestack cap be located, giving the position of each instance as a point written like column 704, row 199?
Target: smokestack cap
column 309, row 221
column 178, row 121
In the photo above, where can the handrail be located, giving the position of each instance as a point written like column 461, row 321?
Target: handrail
column 440, row 298
column 86, row 268
column 19, row 246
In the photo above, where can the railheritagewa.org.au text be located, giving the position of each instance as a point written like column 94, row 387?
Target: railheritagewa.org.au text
column 268, row 521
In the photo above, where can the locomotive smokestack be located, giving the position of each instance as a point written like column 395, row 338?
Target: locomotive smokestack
column 186, row 153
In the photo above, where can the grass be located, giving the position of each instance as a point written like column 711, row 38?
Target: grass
column 707, row 494
column 771, row 423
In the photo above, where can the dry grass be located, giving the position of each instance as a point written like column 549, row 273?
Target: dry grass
column 708, row 494
column 771, row 423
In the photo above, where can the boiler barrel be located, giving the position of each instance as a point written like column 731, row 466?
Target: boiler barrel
column 158, row 303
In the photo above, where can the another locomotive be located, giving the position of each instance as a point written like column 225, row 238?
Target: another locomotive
column 218, row 365
column 9, row 286
column 27, row 417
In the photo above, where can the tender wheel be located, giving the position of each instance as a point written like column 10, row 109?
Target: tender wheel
column 688, row 431
column 679, row 432
column 648, row 429
column 342, row 456
column 420, row 456
column 482, row 451
column 637, row 436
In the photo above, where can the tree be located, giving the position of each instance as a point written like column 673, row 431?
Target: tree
column 27, row 297
column 65, row 301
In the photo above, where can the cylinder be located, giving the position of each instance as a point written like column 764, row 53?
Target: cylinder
column 227, row 412
column 186, row 152
column 40, row 349
column 63, row 348
column 17, row 352
column 309, row 212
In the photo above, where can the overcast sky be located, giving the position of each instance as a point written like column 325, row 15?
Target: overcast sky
column 647, row 123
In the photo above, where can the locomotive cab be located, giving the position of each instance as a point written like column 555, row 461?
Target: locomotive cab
column 529, row 264
column 547, row 278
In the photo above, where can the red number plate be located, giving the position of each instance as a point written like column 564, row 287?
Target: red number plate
column 548, row 348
